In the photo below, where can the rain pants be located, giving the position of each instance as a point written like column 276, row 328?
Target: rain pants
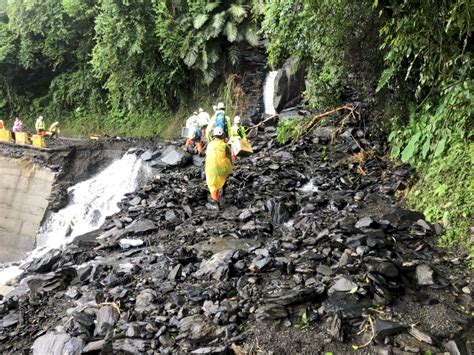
column 218, row 166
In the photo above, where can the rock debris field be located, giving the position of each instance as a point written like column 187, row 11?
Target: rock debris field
column 312, row 251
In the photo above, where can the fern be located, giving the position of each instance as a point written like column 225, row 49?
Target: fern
column 191, row 56
column 251, row 36
column 231, row 31
column 212, row 6
column 237, row 12
column 234, row 55
column 200, row 20
column 218, row 22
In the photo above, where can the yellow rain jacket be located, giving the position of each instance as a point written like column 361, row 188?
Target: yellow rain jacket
column 218, row 166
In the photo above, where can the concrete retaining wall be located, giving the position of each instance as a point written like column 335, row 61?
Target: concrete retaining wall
column 24, row 191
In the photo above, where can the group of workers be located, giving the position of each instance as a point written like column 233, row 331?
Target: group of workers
column 219, row 133
column 40, row 127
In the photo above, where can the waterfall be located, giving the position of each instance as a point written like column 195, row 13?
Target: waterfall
column 90, row 202
column 268, row 91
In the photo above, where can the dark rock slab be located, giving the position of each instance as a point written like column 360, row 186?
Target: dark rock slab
column 384, row 328
column 141, row 226
column 106, row 319
column 57, row 344
column 343, row 285
column 424, row 275
column 173, row 156
column 130, row 346
column 9, row 320
column 346, row 304
column 217, row 267
column 271, row 311
column 46, row 262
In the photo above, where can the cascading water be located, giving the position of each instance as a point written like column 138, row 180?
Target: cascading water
column 90, row 202
column 268, row 91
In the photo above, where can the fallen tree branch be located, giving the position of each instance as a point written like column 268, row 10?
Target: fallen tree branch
column 260, row 123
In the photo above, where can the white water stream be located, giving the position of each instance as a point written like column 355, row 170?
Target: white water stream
column 268, row 91
column 90, row 202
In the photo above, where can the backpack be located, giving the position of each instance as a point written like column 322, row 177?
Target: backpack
column 221, row 121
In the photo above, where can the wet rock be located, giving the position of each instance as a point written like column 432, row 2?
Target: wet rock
column 83, row 319
column 421, row 336
column 175, row 273
column 217, row 267
column 57, row 344
column 96, row 346
column 118, row 223
column 384, row 328
column 324, row 270
column 131, row 346
column 197, row 327
column 457, row 347
column 387, row 269
column 166, row 340
column 343, row 285
column 210, row 350
column 271, row 311
column 144, row 301
column 424, row 275
column 9, row 320
column 365, row 222
column 259, row 264
column 245, row 215
column 173, row 156
column 142, row 226
column 106, row 319
column 130, row 243
column 409, row 343
column 46, row 262
column 171, row 217
column 135, row 201
column 290, row 297
column 346, row 304
column 147, row 155
column 423, row 224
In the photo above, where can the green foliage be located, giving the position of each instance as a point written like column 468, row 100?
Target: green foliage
column 101, row 57
column 206, row 38
column 318, row 33
column 117, row 123
column 304, row 321
column 289, row 129
column 428, row 44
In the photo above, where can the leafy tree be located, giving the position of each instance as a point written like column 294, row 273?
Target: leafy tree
column 319, row 33
column 208, row 34
column 430, row 43
column 127, row 56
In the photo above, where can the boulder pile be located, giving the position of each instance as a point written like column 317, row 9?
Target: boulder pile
column 310, row 251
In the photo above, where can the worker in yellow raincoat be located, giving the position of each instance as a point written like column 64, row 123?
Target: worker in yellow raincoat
column 218, row 163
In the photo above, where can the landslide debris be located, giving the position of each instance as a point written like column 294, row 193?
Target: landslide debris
column 312, row 251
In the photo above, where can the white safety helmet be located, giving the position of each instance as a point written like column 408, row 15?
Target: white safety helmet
column 200, row 110
column 220, row 106
column 214, row 107
column 195, row 113
column 40, row 117
column 237, row 120
column 218, row 132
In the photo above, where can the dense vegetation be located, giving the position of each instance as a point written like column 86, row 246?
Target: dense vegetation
column 129, row 67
